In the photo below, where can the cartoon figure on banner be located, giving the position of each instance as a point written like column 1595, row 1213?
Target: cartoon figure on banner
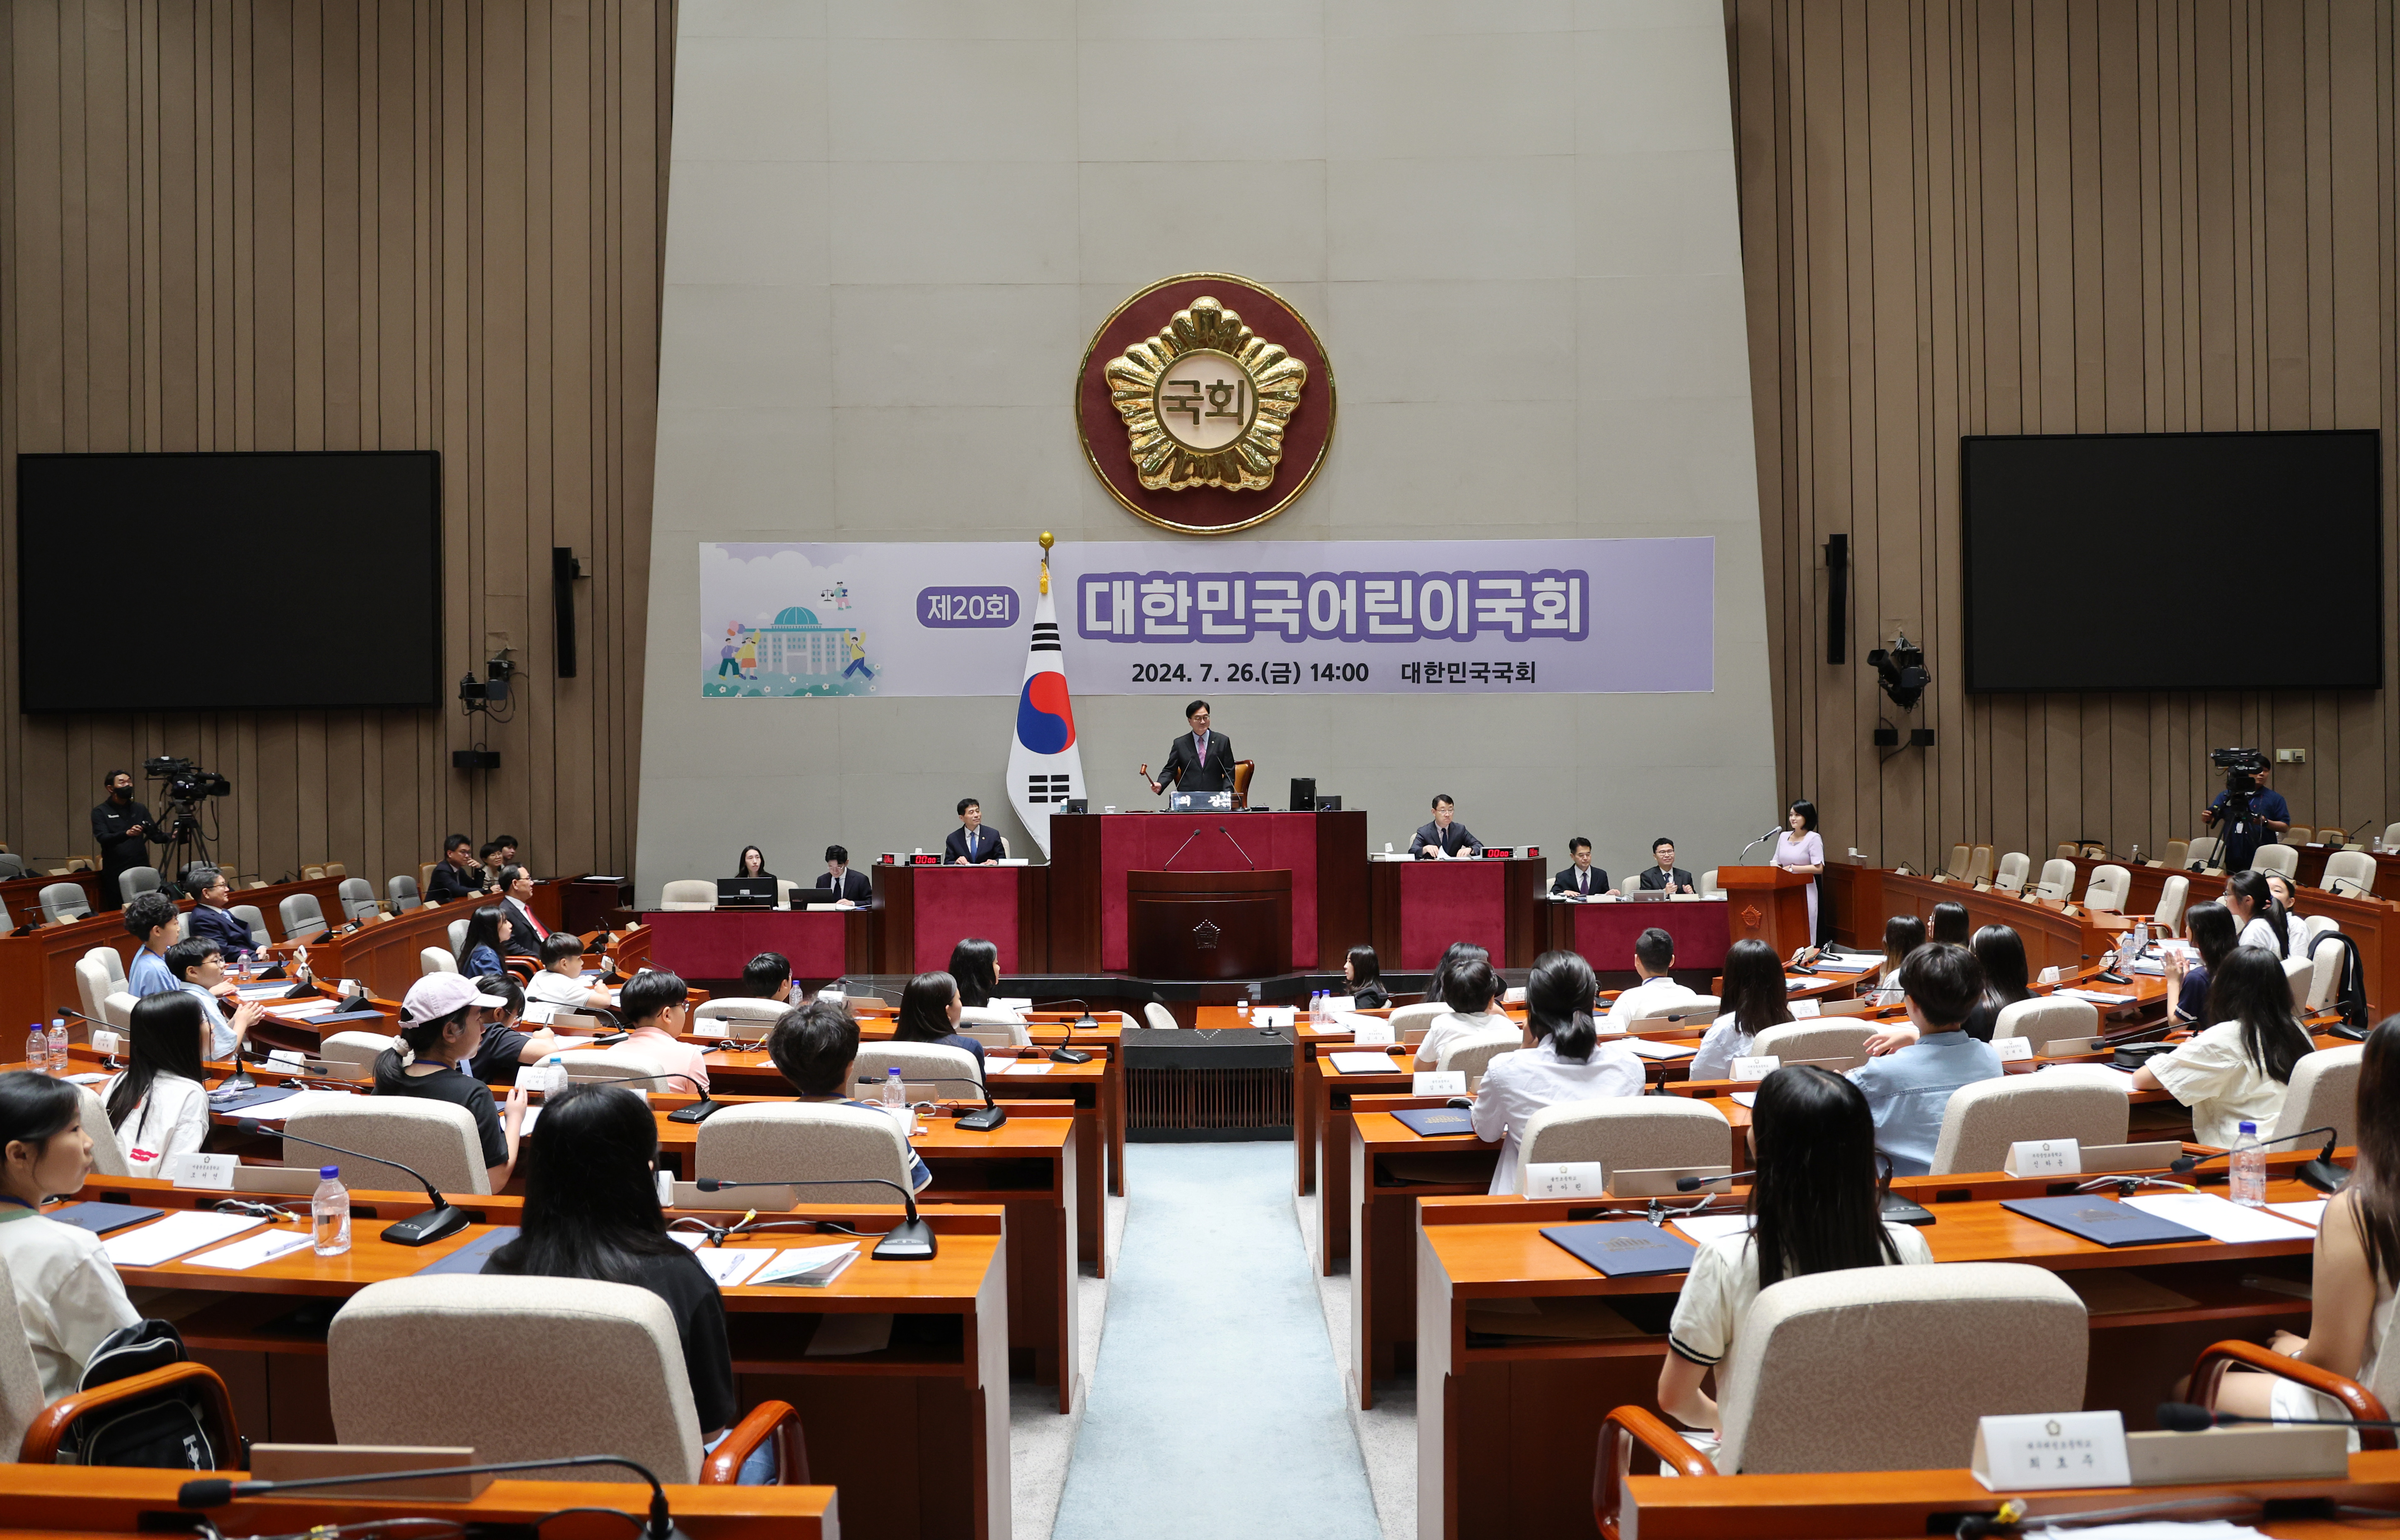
column 838, row 596
column 794, row 654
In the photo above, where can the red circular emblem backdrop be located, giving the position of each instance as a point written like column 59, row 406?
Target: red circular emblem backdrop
column 1205, row 509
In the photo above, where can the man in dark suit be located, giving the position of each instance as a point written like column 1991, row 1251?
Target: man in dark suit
column 124, row 831
column 1445, row 837
column 1200, row 762
column 458, row 876
column 1583, row 878
column 971, row 844
column 526, row 932
column 839, row 882
column 1665, row 873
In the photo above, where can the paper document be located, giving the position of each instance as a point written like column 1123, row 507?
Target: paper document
column 249, row 1252
column 2218, row 1219
column 2097, row 997
column 1029, row 1067
column 808, row 1266
column 1849, row 964
column 2309, row 1212
column 173, row 1236
column 302, row 1009
column 1364, row 1064
column 303, row 1101
column 1704, row 1227
column 1745, row 1098
column 731, row 1267
column 1647, row 1049
column 262, row 991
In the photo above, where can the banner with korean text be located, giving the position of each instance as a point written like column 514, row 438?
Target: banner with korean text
column 1149, row 617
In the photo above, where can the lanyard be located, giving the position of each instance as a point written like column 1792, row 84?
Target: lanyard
column 11, row 1197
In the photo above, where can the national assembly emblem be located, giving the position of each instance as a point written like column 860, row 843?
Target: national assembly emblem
column 1205, row 404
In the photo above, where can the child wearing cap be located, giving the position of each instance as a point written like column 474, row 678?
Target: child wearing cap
column 440, row 1023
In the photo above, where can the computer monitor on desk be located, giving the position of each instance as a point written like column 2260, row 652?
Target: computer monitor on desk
column 745, row 893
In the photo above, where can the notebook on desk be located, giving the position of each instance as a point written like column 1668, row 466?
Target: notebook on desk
column 2102, row 1220
column 470, row 1257
column 1436, row 1122
column 1625, row 1249
column 101, row 1217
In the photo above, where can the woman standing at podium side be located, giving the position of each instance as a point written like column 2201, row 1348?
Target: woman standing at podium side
column 1800, row 849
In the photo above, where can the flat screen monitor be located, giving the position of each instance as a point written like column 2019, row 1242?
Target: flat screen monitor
column 2173, row 561
column 221, row 582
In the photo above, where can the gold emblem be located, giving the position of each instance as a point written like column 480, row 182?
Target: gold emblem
column 1205, row 401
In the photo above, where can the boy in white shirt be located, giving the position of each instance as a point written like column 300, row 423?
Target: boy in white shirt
column 1654, row 959
column 68, row 1295
column 561, row 979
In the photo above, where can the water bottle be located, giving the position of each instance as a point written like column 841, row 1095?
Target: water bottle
column 895, row 1093
column 37, row 1050
column 2249, row 1186
column 329, row 1212
column 59, row 1065
column 548, row 1077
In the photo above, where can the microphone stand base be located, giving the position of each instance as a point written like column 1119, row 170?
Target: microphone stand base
column 700, row 1111
column 424, row 1229
column 2323, row 1175
column 910, row 1241
column 983, row 1120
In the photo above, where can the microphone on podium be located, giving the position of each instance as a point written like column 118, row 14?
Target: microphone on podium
column 1237, row 847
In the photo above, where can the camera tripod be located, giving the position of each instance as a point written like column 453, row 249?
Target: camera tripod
column 186, row 846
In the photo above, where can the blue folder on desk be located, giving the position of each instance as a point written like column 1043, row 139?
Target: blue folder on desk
column 1625, row 1249
column 101, row 1217
column 2103, row 1221
column 470, row 1257
column 1435, row 1122
column 257, row 1096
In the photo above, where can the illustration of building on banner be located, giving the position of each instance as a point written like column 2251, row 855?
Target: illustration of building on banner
column 1045, row 764
column 797, row 654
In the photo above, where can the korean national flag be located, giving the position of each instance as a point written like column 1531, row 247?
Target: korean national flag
column 1046, row 767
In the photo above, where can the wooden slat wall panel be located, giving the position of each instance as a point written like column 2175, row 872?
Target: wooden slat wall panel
column 2002, row 216
column 353, row 225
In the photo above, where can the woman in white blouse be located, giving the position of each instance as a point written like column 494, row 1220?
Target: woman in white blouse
column 160, row 1106
column 1472, row 990
column 2254, row 909
column 1566, row 1061
column 1816, row 1205
column 68, row 1297
column 1754, row 999
column 1801, row 849
column 2237, row 1071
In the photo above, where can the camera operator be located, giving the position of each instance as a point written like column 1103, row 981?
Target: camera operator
column 2248, row 812
column 124, row 831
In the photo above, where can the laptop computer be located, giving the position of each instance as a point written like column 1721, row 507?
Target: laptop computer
column 745, row 893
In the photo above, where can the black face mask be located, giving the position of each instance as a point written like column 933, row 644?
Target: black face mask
column 120, row 793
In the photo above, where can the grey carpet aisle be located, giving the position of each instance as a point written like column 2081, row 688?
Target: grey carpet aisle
column 1216, row 1409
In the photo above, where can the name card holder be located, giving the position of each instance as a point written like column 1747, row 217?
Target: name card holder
column 306, row 1461
column 2220, row 1454
column 1659, row 1181
column 2111, row 1159
column 2044, row 1452
column 767, row 1200
column 1438, row 1083
column 2011, row 1048
column 1581, row 1179
column 1804, row 1009
column 1371, row 1032
column 2043, row 1158
column 1755, row 1066
column 197, row 1172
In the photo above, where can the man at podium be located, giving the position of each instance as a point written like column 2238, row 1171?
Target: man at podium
column 1200, row 762
column 1581, row 880
column 1445, row 839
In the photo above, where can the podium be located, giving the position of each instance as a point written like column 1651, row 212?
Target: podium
column 1767, row 904
column 1210, row 924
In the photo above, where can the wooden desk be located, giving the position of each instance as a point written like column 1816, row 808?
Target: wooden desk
column 1422, row 907
column 37, row 965
column 107, row 1504
column 924, row 911
column 1860, row 1505
column 23, row 894
column 1603, row 931
column 1090, row 854
column 944, row 1379
column 1507, row 1427
column 717, row 944
column 2053, row 938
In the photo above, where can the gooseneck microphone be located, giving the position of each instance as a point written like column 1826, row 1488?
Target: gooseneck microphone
column 437, row 1223
column 1692, row 1184
column 910, row 1241
column 2320, row 1173
column 699, row 1112
column 1237, row 847
column 1179, row 850
column 2183, row 1417
column 990, row 1117
column 216, row 1491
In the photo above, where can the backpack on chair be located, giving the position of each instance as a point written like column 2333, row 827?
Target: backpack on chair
column 168, row 1431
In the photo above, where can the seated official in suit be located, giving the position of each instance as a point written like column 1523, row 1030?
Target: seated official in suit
column 1567, row 1062
column 526, row 932
column 1200, row 762
column 1663, row 872
column 815, row 1047
column 1445, row 837
column 840, row 884
column 1581, row 878
column 591, row 1212
column 1908, row 1089
column 442, row 1023
column 211, row 917
column 1653, row 960
column 458, row 876
column 68, row 1295
column 971, row 844
column 1817, row 1199
column 2236, row 1070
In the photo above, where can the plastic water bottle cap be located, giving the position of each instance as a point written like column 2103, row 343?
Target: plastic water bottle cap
column 891, row 1073
column 554, row 1058
column 329, row 1172
column 2249, row 1127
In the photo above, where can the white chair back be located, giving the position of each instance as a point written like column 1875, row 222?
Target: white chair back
column 62, row 901
column 1698, row 1006
column 2046, row 1018
column 116, row 1009
column 2301, row 974
column 688, row 893
column 1631, row 1133
column 2172, row 895
column 355, row 1050
column 2107, row 888
column 2327, row 959
column 2283, row 860
column 585, row 1344
column 1795, row 1041
column 1416, row 1017
column 107, row 1156
column 1709, row 882
column 1942, row 1347
column 433, row 960
column 457, row 934
column 136, row 880
column 402, row 892
column 742, row 1018
column 303, row 917
column 93, row 985
column 437, row 1137
column 1157, row 1018
column 22, row 1399
column 2011, row 877
column 1472, row 1052
column 776, row 1141
column 2351, row 872
column 1979, row 867
column 937, row 1064
column 2323, row 1093
column 358, row 897
column 607, row 1064
column 2057, row 878
column 1982, row 1119
column 249, row 914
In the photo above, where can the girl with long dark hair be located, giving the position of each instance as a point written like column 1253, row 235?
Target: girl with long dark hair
column 2213, row 933
column 441, row 1026
column 1363, row 971
column 753, row 864
column 68, row 1295
column 974, row 968
column 1816, row 1205
column 1565, row 1060
column 159, row 1105
column 2007, row 979
column 485, row 942
column 2254, row 909
column 591, row 1212
column 929, row 1013
column 2357, row 1259
column 2237, row 1070
column 1754, row 999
